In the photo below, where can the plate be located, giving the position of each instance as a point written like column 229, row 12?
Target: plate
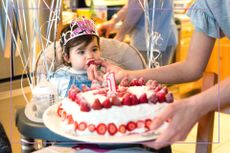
column 53, row 122
column 31, row 114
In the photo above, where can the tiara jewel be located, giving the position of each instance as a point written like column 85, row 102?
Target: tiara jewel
column 79, row 27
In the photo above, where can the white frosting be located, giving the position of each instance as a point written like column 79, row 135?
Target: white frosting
column 116, row 114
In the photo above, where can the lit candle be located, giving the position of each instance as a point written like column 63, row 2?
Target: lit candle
column 111, row 82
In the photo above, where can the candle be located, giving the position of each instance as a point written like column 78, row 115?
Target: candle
column 111, row 82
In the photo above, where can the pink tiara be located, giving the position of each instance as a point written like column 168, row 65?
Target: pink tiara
column 79, row 27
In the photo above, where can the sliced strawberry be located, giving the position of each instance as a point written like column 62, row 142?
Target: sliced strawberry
column 84, row 107
column 126, row 100
column 106, row 103
column 141, row 81
column 153, row 98
column 91, row 127
column 101, row 129
column 124, row 82
column 72, row 96
column 59, row 111
column 169, row 98
column 122, row 89
column 97, row 104
column 115, row 101
column 112, row 128
column 161, row 96
column 148, row 123
column 64, row 114
column 82, row 126
column 140, row 124
column 75, row 125
column 143, row 98
column 70, row 119
column 131, row 126
column 122, row 128
column 84, row 88
column 134, row 100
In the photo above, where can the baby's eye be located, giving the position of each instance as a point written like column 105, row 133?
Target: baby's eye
column 95, row 49
column 81, row 52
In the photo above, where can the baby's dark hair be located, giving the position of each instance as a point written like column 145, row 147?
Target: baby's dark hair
column 86, row 39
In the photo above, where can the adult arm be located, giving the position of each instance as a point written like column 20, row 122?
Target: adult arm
column 190, row 69
column 133, row 14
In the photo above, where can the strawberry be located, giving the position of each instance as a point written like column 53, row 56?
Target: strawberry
column 70, row 119
column 148, row 123
column 124, row 82
column 149, row 83
column 154, row 84
column 82, row 126
column 143, row 98
column 158, row 88
column 84, row 107
column 112, row 128
column 95, row 84
column 141, row 81
column 106, row 103
column 164, row 89
column 84, row 88
column 131, row 126
column 115, row 101
column 91, row 127
column 126, row 100
column 75, row 125
column 134, row 100
column 122, row 128
column 97, row 104
column 161, row 96
column 90, row 61
column 169, row 97
column 121, row 94
column 72, row 95
column 77, row 100
column 140, row 124
column 133, row 82
column 101, row 129
column 153, row 98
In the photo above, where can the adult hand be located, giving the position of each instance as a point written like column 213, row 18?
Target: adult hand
column 182, row 116
column 105, row 28
column 93, row 74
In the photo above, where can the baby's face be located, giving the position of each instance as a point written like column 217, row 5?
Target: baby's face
column 80, row 55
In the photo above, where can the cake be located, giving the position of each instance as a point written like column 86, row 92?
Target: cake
column 96, row 111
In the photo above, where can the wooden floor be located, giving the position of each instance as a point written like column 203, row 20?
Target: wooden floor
column 11, row 100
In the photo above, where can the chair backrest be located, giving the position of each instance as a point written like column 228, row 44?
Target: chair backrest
column 206, row 123
column 120, row 53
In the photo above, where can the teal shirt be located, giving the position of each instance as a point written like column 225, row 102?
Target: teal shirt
column 211, row 17
column 163, row 23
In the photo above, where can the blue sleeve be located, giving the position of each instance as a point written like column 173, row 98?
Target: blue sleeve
column 203, row 19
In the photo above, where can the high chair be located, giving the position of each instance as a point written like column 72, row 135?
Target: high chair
column 115, row 51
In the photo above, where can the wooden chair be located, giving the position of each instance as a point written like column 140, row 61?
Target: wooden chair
column 119, row 53
column 206, row 123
